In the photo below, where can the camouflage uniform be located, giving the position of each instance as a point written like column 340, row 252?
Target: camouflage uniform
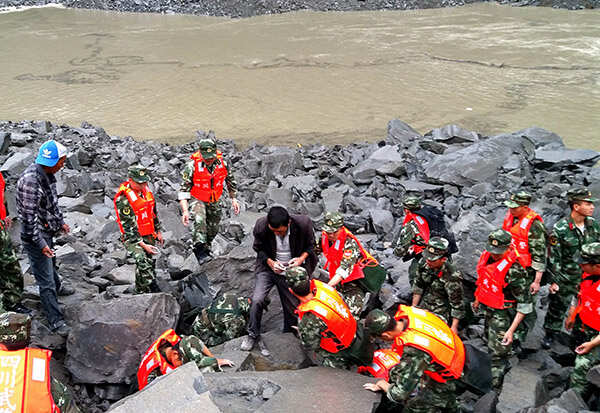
column 14, row 331
column 190, row 349
column 205, row 216
column 565, row 244
column 441, row 288
column 498, row 321
column 409, row 236
column 224, row 320
column 145, row 274
column 11, row 280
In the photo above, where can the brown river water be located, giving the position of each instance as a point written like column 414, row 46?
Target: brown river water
column 305, row 77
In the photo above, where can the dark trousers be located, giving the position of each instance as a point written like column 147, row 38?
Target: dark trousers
column 265, row 280
column 46, row 276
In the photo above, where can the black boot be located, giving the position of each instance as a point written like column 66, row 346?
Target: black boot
column 201, row 252
column 548, row 339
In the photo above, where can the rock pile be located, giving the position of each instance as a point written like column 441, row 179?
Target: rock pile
column 461, row 172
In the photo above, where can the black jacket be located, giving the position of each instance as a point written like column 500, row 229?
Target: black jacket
column 302, row 239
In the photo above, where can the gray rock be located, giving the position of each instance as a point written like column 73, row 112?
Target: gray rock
column 4, row 142
column 365, row 172
column 452, row 134
column 593, row 376
column 108, row 337
column 487, row 403
column 570, row 401
column 183, row 391
column 541, row 137
column 560, row 158
column 519, row 388
column 19, row 139
column 78, row 204
column 383, row 222
column 17, row 162
column 123, row 275
column 399, row 132
column 280, row 196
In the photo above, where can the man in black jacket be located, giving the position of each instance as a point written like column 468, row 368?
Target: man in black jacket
column 281, row 240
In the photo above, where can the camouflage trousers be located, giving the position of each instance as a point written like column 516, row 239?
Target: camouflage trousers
column 145, row 273
column 191, row 348
column 353, row 295
column 497, row 322
column 433, row 397
column 529, row 321
column 583, row 364
column 339, row 360
column 11, row 279
column 412, row 270
column 558, row 304
column 205, row 219
column 63, row 398
column 215, row 329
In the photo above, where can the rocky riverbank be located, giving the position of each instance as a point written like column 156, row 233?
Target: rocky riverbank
column 250, row 8
column 461, row 172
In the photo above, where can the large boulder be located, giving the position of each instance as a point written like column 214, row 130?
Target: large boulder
column 108, row 337
column 520, row 388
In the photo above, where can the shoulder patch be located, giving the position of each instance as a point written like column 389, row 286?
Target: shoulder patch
column 347, row 254
column 126, row 211
column 553, row 240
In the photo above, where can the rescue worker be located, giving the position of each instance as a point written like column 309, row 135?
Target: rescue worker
column 225, row 319
column 135, row 209
column 203, row 178
column 438, row 284
column 428, row 358
column 503, row 293
column 326, row 325
column 584, row 315
column 170, row 351
column 26, row 384
column 529, row 239
column 347, row 262
column 566, row 239
column 11, row 281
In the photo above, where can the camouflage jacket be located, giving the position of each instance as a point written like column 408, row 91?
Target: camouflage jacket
column 187, row 176
column 441, row 290
column 517, row 289
column 565, row 245
column 129, row 221
column 538, row 248
column 409, row 235
column 63, row 397
column 215, row 327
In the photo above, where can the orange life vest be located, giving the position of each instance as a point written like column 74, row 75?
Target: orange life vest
column 588, row 306
column 429, row 333
column 423, row 227
column 152, row 359
column 208, row 187
column 25, row 381
column 2, row 206
column 143, row 208
column 334, row 255
column 490, row 281
column 383, row 361
column 329, row 306
column 520, row 234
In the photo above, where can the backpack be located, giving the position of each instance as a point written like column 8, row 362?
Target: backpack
column 437, row 226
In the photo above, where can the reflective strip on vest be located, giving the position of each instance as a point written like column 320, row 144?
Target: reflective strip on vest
column 520, row 234
column 208, row 187
column 152, row 358
column 143, row 208
column 334, row 254
column 25, row 381
column 423, row 227
column 491, row 279
column 429, row 333
column 2, row 206
column 588, row 307
column 329, row 306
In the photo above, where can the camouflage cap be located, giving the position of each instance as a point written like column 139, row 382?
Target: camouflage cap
column 295, row 275
column 590, row 253
column 14, row 329
column 498, row 241
column 138, row 173
column 333, row 222
column 377, row 322
column 518, row 199
column 580, row 194
column 208, row 148
column 437, row 247
column 412, row 202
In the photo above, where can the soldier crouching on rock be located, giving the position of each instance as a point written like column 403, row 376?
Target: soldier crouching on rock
column 170, row 351
column 140, row 228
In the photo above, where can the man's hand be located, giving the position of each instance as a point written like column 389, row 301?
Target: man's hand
column 236, row 206
column 534, row 288
column 225, row 362
column 276, row 266
column 381, row 385
column 150, row 249
column 475, row 306
column 48, row 252
column 508, row 338
column 160, row 239
column 66, row 228
column 553, row 288
column 8, row 222
column 584, row 348
column 185, row 218
column 295, row 262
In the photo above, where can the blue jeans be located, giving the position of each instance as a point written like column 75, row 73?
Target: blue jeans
column 46, row 276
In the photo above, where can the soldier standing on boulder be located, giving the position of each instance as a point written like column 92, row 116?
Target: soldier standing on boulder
column 566, row 239
column 203, row 178
column 584, row 315
column 438, row 284
column 41, row 220
column 11, row 280
column 225, row 319
column 503, row 290
column 346, row 262
column 139, row 225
